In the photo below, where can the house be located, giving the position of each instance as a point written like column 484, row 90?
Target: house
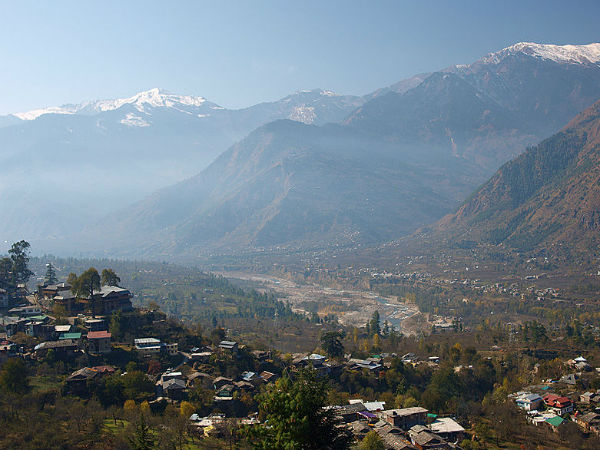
column 569, row 379
column 349, row 413
column 393, row 438
column 560, row 405
column 225, row 392
column 405, row 418
column 99, row 342
column 173, row 375
column 374, row 406
column 73, row 336
column 201, row 357
column 61, row 348
column 359, row 429
column 174, row 389
column 7, row 350
column 199, row 379
column 261, row 355
column 111, row 298
column 555, row 422
column 244, row 386
column 68, row 300
column 25, row 311
column 219, row 382
column 95, row 324
column 268, row 377
column 171, row 349
column 589, row 421
column 448, row 429
column 357, row 364
column 147, row 346
column 589, row 397
column 423, row 439
column 529, row 402
column 49, row 291
column 77, row 382
column 229, row 346
column 58, row 329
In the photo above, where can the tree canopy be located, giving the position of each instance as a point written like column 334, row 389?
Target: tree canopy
column 110, row 278
column 296, row 419
column 332, row 344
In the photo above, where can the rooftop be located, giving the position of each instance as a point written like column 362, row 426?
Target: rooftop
column 405, row 411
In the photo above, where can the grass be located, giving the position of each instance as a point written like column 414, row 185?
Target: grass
column 45, row 383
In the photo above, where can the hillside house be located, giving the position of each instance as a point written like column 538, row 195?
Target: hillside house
column 147, row 347
column 111, row 298
column 448, row 429
column 589, row 397
column 174, row 389
column 589, row 422
column 228, row 346
column 77, row 382
column 529, row 402
column 560, row 405
column 405, row 418
column 99, row 342
column 49, row 291
column 423, row 439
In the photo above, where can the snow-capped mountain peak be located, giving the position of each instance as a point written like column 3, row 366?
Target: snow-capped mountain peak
column 153, row 98
column 565, row 54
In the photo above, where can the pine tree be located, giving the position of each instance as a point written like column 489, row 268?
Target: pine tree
column 50, row 276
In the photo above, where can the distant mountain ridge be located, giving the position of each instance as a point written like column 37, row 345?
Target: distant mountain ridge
column 401, row 160
column 109, row 153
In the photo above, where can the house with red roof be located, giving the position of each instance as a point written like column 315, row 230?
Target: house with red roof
column 99, row 341
column 560, row 405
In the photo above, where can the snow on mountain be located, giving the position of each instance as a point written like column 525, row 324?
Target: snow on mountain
column 152, row 98
column 565, row 54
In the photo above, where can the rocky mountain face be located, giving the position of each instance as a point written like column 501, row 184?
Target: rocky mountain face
column 547, row 199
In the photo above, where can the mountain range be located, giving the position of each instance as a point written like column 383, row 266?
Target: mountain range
column 397, row 159
column 75, row 163
column 545, row 201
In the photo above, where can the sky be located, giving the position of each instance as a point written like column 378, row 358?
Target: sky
column 239, row 53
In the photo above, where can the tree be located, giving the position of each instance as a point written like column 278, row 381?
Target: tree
column 72, row 279
column 186, row 409
column 296, row 418
column 332, row 344
column 372, row 441
column 374, row 327
column 142, row 438
column 110, row 278
column 19, row 255
column 85, row 285
column 50, row 276
column 13, row 377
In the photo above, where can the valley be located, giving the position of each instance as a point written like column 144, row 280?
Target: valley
column 351, row 307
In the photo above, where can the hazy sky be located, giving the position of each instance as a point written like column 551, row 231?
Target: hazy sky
column 238, row 53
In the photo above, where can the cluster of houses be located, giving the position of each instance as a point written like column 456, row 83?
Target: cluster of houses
column 543, row 407
column 103, row 301
column 404, row 428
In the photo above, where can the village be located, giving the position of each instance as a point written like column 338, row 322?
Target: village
column 156, row 363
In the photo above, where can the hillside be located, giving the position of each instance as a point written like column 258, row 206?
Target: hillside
column 547, row 199
column 288, row 184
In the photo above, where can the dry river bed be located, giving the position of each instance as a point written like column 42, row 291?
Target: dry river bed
column 353, row 308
